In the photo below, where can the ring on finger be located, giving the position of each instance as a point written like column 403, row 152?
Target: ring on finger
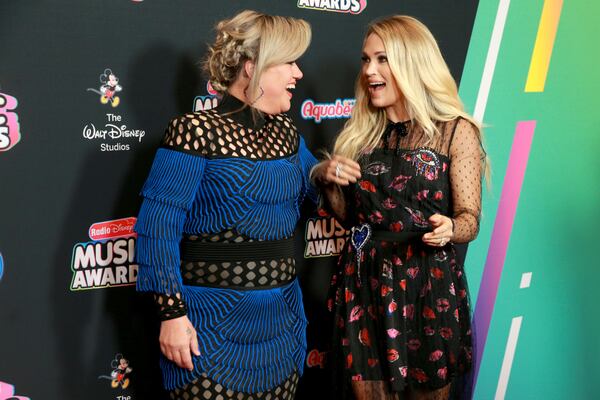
column 338, row 170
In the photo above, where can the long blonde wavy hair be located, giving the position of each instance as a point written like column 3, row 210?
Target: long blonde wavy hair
column 267, row 40
column 429, row 92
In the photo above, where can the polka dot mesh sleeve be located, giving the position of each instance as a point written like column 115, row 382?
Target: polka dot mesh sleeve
column 467, row 159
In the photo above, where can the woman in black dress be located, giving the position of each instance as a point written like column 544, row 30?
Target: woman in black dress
column 406, row 176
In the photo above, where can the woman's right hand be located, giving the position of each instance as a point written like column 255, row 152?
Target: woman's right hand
column 339, row 170
column 178, row 340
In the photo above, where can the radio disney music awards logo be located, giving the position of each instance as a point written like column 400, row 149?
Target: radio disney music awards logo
column 206, row 102
column 108, row 260
column 112, row 133
column 10, row 132
column 7, row 392
column 119, row 375
column 342, row 6
column 324, row 236
column 341, row 108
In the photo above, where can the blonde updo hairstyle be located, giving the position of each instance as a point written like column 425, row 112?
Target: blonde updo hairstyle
column 428, row 89
column 266, row 40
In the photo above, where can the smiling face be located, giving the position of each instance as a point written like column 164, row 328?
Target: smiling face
column 277, row 82
column 381, row 85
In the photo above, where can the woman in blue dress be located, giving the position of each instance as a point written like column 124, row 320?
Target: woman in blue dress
column 219, row 210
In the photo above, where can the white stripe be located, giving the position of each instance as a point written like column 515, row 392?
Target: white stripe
column 490, row 60
column 509, row 355
column 525, row 280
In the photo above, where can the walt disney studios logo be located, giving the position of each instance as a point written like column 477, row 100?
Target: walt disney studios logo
column 114, row 134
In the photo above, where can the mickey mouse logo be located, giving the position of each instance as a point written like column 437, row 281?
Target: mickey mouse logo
column 119, row 375
column 109, row 88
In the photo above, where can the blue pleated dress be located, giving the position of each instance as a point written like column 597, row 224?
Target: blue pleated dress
column 210, row 175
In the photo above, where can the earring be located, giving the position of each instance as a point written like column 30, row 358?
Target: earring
column 262, row 92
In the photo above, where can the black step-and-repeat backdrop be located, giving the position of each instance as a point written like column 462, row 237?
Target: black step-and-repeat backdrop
column 86, row 89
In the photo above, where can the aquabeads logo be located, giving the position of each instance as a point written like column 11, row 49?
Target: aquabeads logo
column 108, row 260
column 206, row 102
column 119, row 376
column 115, row 132
column 324, row 236
column 342, row 6
column 7, row 392
column 1, row 266
column 341, row 108
column 10, row 134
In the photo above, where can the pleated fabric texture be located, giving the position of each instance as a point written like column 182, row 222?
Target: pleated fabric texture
column 250, row 341
column 168, row 194
column 188, row 193
column 307, row 161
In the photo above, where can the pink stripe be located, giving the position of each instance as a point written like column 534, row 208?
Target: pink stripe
column 507, row 208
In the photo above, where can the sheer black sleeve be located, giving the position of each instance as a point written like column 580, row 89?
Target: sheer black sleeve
column 467, row 159
column 169, row 306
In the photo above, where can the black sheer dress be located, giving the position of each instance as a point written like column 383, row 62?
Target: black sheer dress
column 400, row 307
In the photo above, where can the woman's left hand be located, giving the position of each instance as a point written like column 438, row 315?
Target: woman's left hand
column 442, row 231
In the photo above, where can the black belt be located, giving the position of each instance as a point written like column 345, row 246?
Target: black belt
column 193, row 250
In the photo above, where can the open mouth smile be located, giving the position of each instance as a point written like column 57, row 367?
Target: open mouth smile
column 290, row 88
column 376, row 86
